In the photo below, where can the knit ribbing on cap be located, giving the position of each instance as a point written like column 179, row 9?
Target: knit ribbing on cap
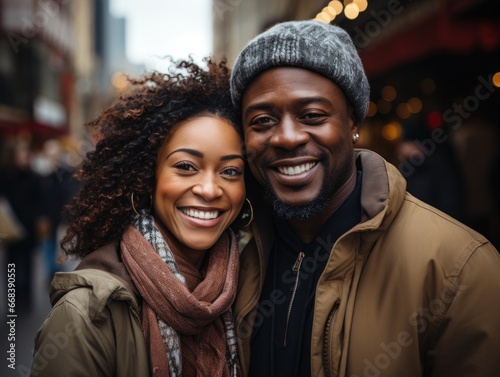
column 325, row 49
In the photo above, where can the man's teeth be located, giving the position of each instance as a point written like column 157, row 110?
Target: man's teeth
column 201, row 214
column 294, row 170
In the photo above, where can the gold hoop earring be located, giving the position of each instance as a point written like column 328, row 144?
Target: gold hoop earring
column 251, row 213
column 355, row 138
column 133, row 205
column 132, row 201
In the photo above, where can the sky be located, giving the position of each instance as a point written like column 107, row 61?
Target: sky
column 165, row 27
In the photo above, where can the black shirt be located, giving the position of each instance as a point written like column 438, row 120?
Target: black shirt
column 281, row 340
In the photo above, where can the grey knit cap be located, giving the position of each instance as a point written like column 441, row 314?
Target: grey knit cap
column 320, row 47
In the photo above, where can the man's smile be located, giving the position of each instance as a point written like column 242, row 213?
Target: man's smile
column 297, row 169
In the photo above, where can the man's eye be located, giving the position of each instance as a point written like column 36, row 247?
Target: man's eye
column 183, row 165
column 263, row 120
column 314, row 117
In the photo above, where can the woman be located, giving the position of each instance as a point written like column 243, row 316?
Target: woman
column 153, row 292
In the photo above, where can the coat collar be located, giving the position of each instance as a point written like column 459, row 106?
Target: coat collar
column 104, row 274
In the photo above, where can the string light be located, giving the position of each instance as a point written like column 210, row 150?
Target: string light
column 351, row 9
column 330, row 11
column 389, row 93
column 322, row 16
column 403, row 110
column 372, row 109
column 362, row 4
column 337, row 6
column 434, row 119
column 496, row 79
column 414, row 105
column 392, row 131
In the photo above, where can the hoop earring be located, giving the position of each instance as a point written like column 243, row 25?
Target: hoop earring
column 133, row 205
column 251, row 213
column 355, row 138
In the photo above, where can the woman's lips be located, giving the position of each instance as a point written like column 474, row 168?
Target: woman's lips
column 204, row 218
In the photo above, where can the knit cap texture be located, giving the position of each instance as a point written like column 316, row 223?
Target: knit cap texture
column 317, row 46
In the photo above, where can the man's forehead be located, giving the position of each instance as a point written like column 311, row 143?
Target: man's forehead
column 294, row 83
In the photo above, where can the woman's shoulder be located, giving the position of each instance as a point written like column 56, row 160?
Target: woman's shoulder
column 89, row 290
column 79, row 326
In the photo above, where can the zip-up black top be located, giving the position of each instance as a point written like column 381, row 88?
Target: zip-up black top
column 281, row 339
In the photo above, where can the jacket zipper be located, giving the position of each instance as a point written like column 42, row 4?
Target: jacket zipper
column 327, row 342
column 296, row 269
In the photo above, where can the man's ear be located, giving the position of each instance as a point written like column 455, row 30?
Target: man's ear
column 355, row 130
column 352, row 121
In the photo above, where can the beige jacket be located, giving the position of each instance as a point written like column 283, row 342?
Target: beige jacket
column 93, row 328
column 407, row 292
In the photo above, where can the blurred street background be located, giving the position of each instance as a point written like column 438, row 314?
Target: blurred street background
column 433, row 67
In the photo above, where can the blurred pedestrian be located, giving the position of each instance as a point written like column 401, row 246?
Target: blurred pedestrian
column 45, row 162
column 431, row 169
column 21, row 186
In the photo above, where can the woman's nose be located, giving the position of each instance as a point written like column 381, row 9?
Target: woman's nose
column 208, row 188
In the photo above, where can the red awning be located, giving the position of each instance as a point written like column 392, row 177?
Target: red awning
column 439, row 33
column 38, row 129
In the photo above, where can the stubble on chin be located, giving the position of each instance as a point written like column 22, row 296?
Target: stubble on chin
column 305, row 211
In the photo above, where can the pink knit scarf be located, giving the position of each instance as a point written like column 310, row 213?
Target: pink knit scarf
column 198, row 310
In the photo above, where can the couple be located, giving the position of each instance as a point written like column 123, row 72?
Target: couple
column 340, row 273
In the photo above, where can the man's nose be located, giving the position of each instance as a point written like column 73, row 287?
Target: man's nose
column 289, row 134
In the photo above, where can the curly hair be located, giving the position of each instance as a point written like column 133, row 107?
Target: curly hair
column 131, row 133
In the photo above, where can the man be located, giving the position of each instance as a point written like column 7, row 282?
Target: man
column 347, row 274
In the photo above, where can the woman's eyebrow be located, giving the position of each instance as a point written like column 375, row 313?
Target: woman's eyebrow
column 194, row 152
column 197, row 153
column 231, row 157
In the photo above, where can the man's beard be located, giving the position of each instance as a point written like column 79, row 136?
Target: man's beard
column 301, row 212
column 315, row 207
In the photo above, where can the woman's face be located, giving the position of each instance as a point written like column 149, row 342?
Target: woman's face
column 199, row 182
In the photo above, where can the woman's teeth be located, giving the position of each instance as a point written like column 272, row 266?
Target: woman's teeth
column 294, row 170
column 200, row 214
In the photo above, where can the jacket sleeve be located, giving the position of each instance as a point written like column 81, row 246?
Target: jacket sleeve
column 468, row 339
column 70, row 344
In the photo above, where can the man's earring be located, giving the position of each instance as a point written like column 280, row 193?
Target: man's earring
column 355, row 138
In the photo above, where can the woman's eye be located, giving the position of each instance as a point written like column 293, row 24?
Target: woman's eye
column 183, row 165
column 232, row 172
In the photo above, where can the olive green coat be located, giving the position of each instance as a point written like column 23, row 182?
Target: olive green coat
column 93, row 328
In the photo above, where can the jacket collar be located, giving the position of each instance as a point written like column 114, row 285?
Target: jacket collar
column 102, row 272
column 382, row 194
